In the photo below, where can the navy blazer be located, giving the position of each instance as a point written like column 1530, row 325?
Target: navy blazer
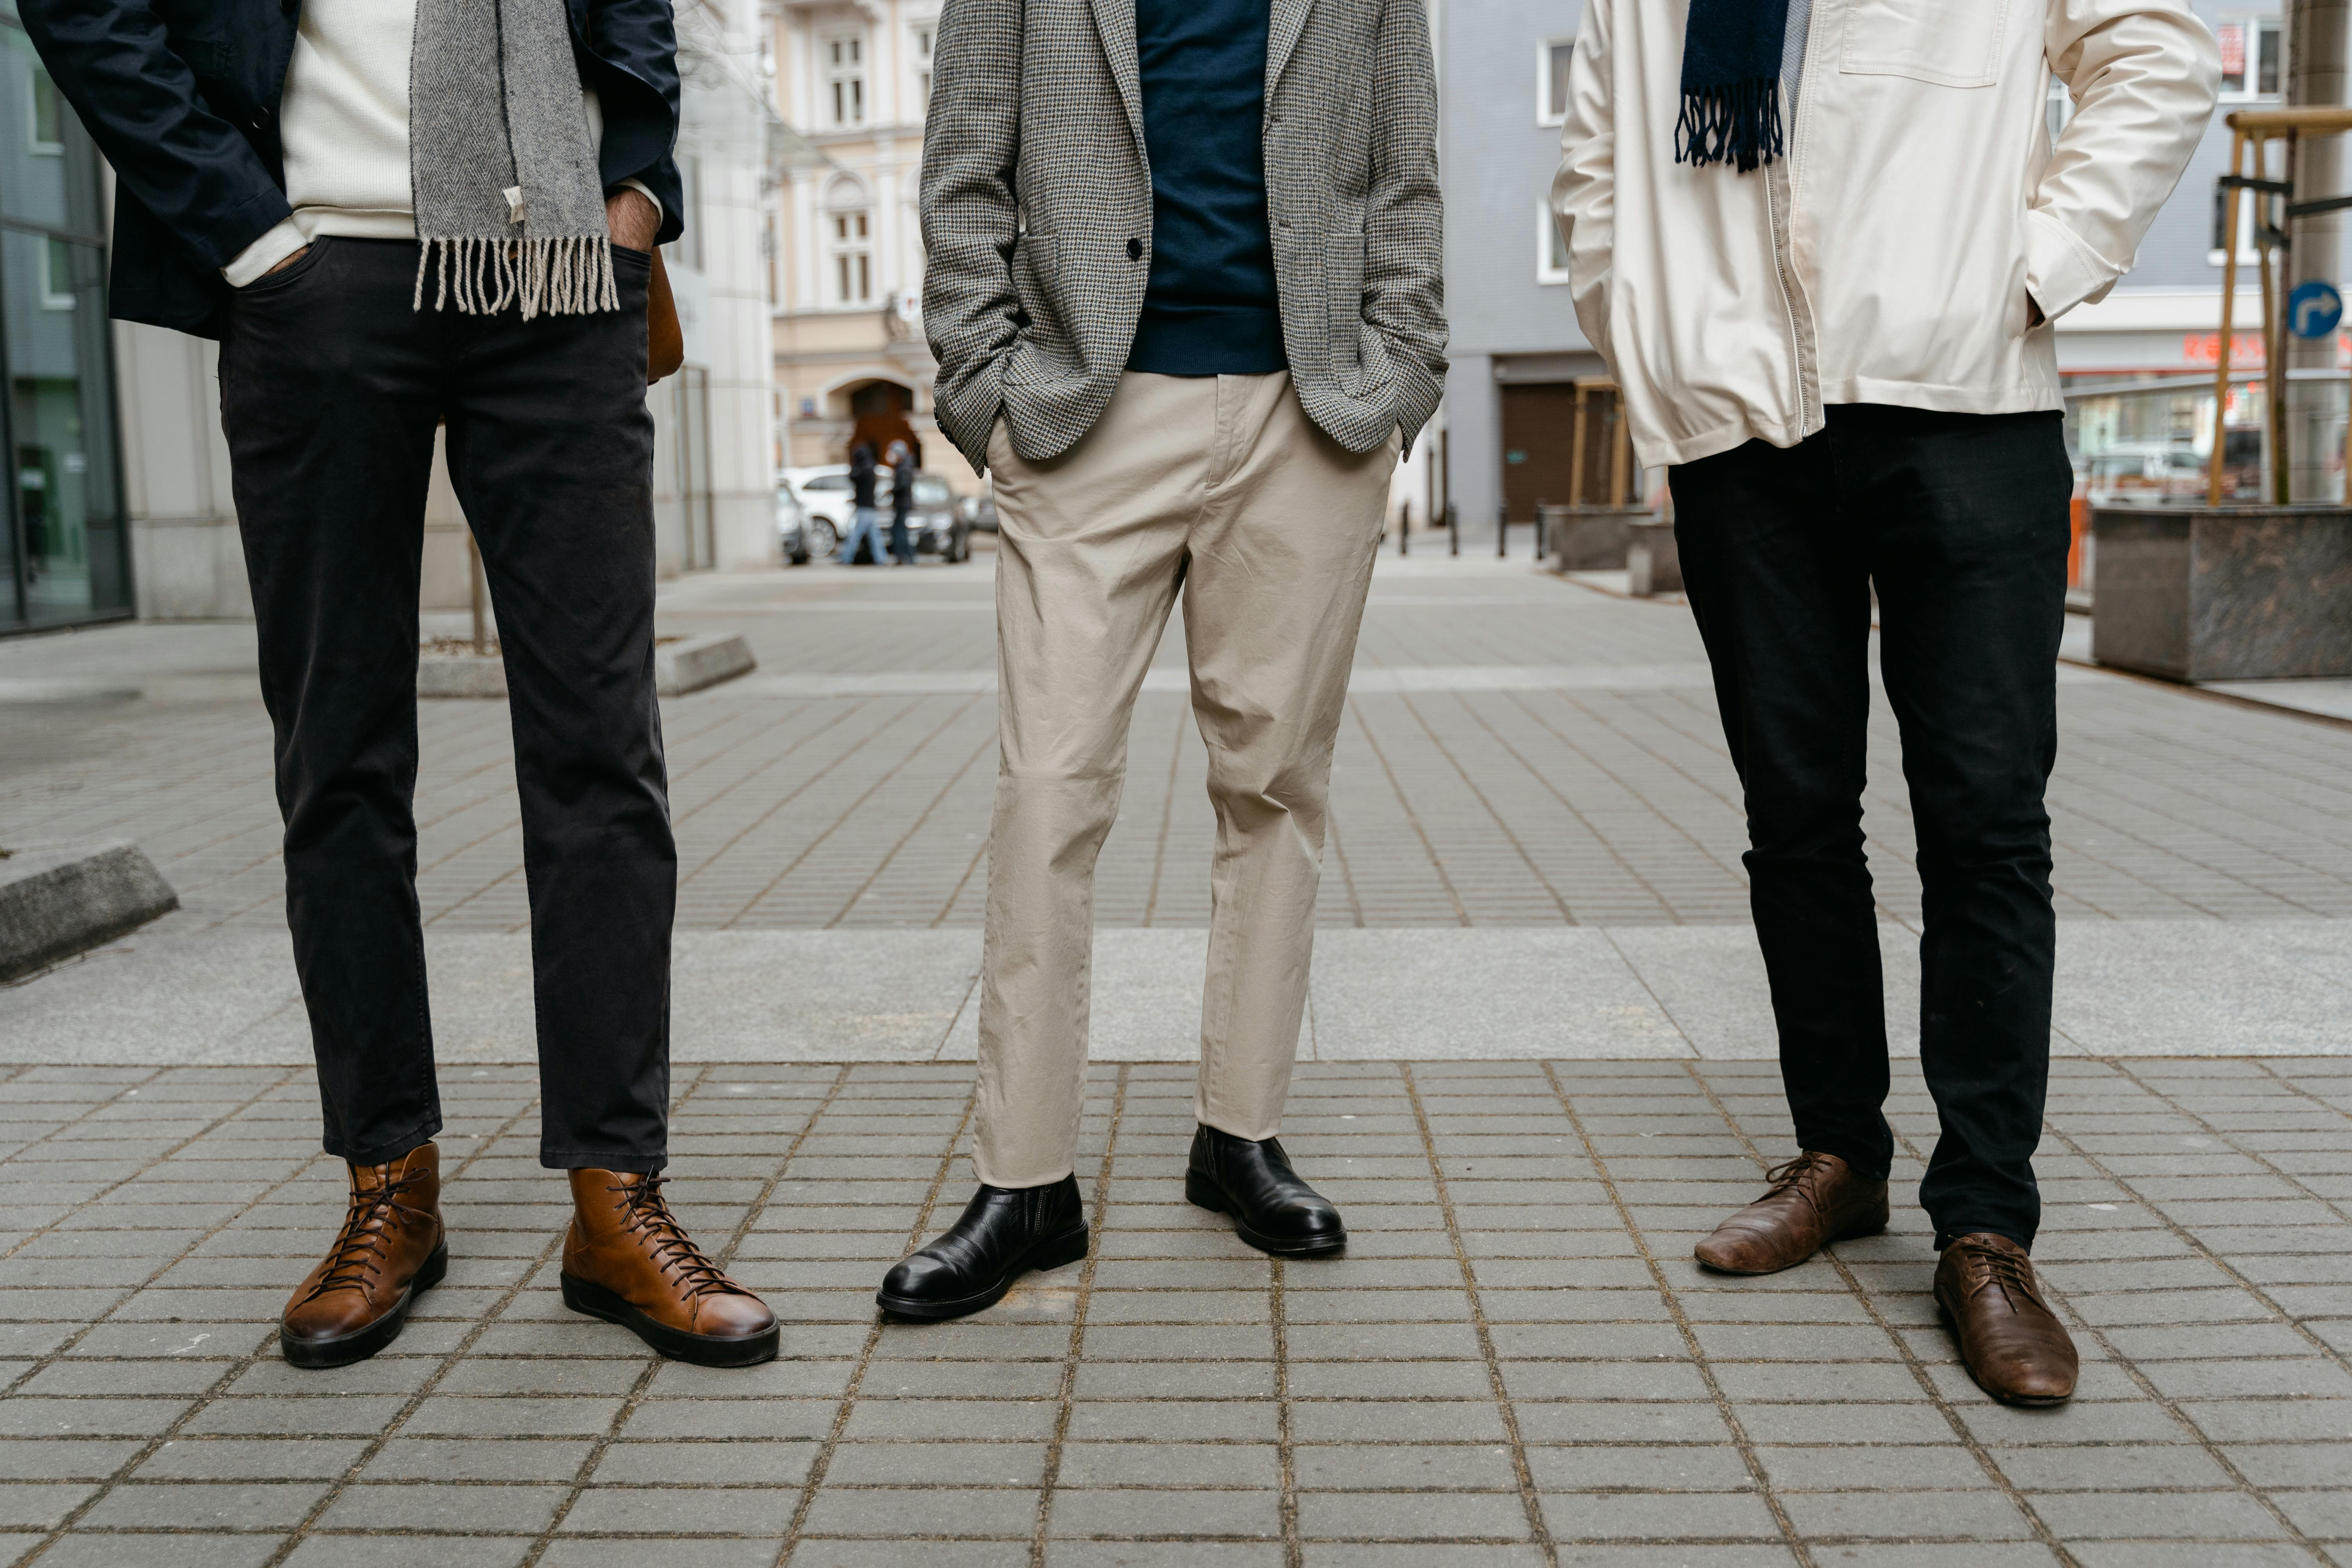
column 181, row 96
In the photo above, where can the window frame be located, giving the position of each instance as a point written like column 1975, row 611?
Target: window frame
column 846, row 252
column 2253, row 27
column 1551, row 250
column 834, row 75
column 1545, row 116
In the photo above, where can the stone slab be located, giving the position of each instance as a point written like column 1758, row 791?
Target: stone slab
column 2224, row 594
column 2186, row 988
column 693, row 664
column 1654, row 563
column 55, row 902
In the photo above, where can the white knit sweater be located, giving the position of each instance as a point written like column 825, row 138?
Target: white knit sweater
column 344, row 123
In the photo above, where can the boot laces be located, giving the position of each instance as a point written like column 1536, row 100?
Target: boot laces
column 2010, row 1272
column 1791, row 1173
column 358, row 1255
column 646, row 1213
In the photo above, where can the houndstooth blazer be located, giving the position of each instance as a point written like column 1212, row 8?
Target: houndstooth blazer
column 1036, row 204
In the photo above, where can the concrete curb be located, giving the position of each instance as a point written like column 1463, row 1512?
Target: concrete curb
column 58, row 902
column 687, row 664
column 690, row 664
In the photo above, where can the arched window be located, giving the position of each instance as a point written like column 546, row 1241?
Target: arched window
column 849, row 243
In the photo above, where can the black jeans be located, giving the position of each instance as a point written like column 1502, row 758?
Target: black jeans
column 331, row 387
column 1961, row 521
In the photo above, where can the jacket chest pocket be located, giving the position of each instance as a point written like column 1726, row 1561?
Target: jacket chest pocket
column 1951, row 43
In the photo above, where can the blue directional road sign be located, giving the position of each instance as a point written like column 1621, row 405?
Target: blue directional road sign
column 2313, row 310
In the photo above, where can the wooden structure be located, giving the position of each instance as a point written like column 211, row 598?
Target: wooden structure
column 1598, row 435
column 2252, row 130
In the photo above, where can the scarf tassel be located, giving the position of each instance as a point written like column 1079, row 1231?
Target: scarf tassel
column 566, row 276
column 1737, row 124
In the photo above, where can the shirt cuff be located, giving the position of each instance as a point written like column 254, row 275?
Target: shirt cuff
column 265, row 253
column 642, row 189
column 2060, row 271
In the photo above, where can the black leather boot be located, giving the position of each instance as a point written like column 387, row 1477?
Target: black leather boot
column 1005, row 1232
column 1272, row 1209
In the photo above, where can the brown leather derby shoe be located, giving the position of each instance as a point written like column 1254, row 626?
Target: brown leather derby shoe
column 2013, row 1345
column 1813, row 1199
column 628, row 1261
column 391, row 1249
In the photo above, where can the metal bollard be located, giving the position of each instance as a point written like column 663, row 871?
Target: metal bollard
column 1502, row 531
column 1404, row 527
column 1539, row 531
column 1453, row 530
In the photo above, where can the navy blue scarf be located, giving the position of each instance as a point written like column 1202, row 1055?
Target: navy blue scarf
column 1731, row 83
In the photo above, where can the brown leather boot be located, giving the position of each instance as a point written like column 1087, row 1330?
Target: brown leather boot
column 391, row 1250
column 1814, row 1199
column 626, row 1260
column 2014, row 1346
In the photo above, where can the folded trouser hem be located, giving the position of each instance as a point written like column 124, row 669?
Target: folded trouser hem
column 1019, row 1181
column 579, row 1159
column 390, row 1148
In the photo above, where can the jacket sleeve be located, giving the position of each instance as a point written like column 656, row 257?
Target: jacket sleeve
column 2144, row 74
column 633, row 68
column 970, row 215
column 189, row 167
column 1584, row 192
column 1404, row 218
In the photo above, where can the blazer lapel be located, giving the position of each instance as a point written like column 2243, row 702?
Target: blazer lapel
column 1287, row 22
column 1114, row 21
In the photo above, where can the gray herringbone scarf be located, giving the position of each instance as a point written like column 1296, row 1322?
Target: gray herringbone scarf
column 509, row 206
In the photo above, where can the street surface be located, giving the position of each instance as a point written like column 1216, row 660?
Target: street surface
column 1537, row 1068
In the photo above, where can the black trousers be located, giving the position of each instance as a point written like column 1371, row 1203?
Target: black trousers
column 331, row 387
column 1961, row 522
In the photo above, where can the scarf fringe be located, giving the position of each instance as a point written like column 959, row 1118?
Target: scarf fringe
column 568, row 276
column 1737, row 123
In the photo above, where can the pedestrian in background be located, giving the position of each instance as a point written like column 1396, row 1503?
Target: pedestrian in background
column 1821, row 260
column 442, row 211
column 864, row 546
column 1184, row 289
column 902, row 503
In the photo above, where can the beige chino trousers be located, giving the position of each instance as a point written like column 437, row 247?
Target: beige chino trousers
column 1223, row 485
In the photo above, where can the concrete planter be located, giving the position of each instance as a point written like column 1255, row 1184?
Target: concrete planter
column 61, row 902
column 1653, row 563
column 687, row 663
column 2241, row 592
column 1590, row 538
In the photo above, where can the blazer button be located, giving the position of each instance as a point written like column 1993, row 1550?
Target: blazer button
column 1135, row 250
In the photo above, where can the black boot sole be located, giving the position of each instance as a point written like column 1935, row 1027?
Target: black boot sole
column 362, row 1344
column 1051, row 1253
column 699, row 1349
column 1202, row 1192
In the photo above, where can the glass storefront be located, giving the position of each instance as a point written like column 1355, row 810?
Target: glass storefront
column 64, row 548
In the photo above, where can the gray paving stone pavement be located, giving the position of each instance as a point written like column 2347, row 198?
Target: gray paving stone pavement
column 1531, row 1080
column 1515, row 1362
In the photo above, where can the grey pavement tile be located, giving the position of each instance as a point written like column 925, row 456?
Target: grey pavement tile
column 218, row 1505
column 418, row 1551
column 688, row 1552
column 1395, row 1516
column 88, row 1549
column 900, row 1513
column 395, row 1507
column 1129, row 1511
column 1696, row 1516
column 1906, row 1515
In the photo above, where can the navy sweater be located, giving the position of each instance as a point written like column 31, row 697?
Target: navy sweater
column 1211, row 308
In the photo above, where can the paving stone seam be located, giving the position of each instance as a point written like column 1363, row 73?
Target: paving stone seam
column 2130, row 1368
column 68, row 1125
column 1919, row 1375
column 235, row 1369
column 456, row 1353
column 1074, row 1348
column 922, row 819
column 1539, row 1526
column 2334, row 1206
column 822, row 1459
column 1501, row 826
column 1757, row 1476
column 1552, row 788
column 849, row 811
column 1413, row 816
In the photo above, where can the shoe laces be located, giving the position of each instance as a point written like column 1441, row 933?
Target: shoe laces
column 2012, row 1272
column 645, row 1212
column 1791, row 1173
column 357, row 1256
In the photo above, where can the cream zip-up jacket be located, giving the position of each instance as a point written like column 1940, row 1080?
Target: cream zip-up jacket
column 1889, row 256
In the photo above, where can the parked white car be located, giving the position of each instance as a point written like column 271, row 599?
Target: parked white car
column 826, row 504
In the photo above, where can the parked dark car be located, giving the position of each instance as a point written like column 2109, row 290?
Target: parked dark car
column 937, row 520
column 980, row 510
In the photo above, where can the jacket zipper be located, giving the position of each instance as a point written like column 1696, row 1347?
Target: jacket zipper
column 1780, row 187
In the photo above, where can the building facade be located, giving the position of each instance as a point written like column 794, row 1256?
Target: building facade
column 124, row 500
column 64, row 553
column 1518, row 351
column 852, row 79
